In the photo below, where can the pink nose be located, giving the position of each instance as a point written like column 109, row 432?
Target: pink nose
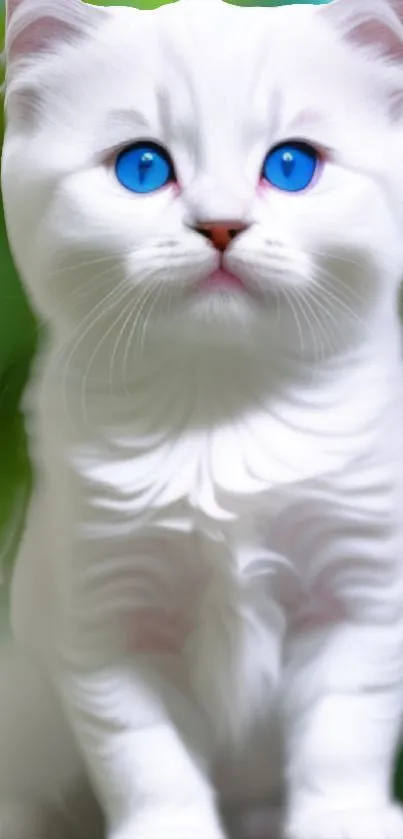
column 221, row 233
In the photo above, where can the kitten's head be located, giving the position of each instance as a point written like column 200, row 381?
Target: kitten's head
column 206, row 173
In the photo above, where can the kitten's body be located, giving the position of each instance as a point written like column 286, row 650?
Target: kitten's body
column 214, row 540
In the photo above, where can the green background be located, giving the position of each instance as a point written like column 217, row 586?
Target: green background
column 18, row 335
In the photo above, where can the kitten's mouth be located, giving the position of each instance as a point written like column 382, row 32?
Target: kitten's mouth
column 222, row 280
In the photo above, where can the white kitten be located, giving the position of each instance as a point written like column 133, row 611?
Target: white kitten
column 206, row 204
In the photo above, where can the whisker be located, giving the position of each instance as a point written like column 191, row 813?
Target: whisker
column 141, row 303
column 318, row 347
column 95, row 283
column 95, row 353
column 323, row 290
column 103, row 308
column 130, row 307
column 305, row 296
column 288, row 297
column 326, row 332
column 327, row 277
column 158, row 294
column 67, row 267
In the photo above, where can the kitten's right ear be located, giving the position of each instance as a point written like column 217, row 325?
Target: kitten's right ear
column 36, row 25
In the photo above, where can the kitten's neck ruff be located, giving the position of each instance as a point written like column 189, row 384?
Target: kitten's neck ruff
column 207, row 386
column 265, row 351
column 215, row 434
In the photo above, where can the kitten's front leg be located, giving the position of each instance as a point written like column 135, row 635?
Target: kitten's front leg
column 343, row 718
column 149, row 783
column 141, row 737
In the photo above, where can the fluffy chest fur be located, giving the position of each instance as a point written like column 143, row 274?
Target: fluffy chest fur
column 249, row 483
column 218, row 444
column 195, row 530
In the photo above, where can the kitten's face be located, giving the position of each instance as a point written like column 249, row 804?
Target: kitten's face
column 215, row 88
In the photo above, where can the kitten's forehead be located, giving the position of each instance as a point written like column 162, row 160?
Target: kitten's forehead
column 194, row 58
column 214, row 44
column 195, row 72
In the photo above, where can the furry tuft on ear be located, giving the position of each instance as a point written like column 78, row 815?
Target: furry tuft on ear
column 35, row 25
column 377, row 23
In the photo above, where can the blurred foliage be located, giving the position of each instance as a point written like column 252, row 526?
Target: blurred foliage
column 17, row 345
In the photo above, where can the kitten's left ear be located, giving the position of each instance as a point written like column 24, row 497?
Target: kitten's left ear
column 36, row 25
column 377, row 23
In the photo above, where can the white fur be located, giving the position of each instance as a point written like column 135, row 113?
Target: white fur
column 211, row 574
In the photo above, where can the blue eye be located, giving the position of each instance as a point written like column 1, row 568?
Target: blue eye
column 291, row 166
column 144, row 168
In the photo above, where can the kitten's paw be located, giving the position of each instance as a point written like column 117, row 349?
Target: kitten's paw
column 171, row 825
column 386, row 823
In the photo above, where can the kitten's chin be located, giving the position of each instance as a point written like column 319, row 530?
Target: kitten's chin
column 225, row 318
